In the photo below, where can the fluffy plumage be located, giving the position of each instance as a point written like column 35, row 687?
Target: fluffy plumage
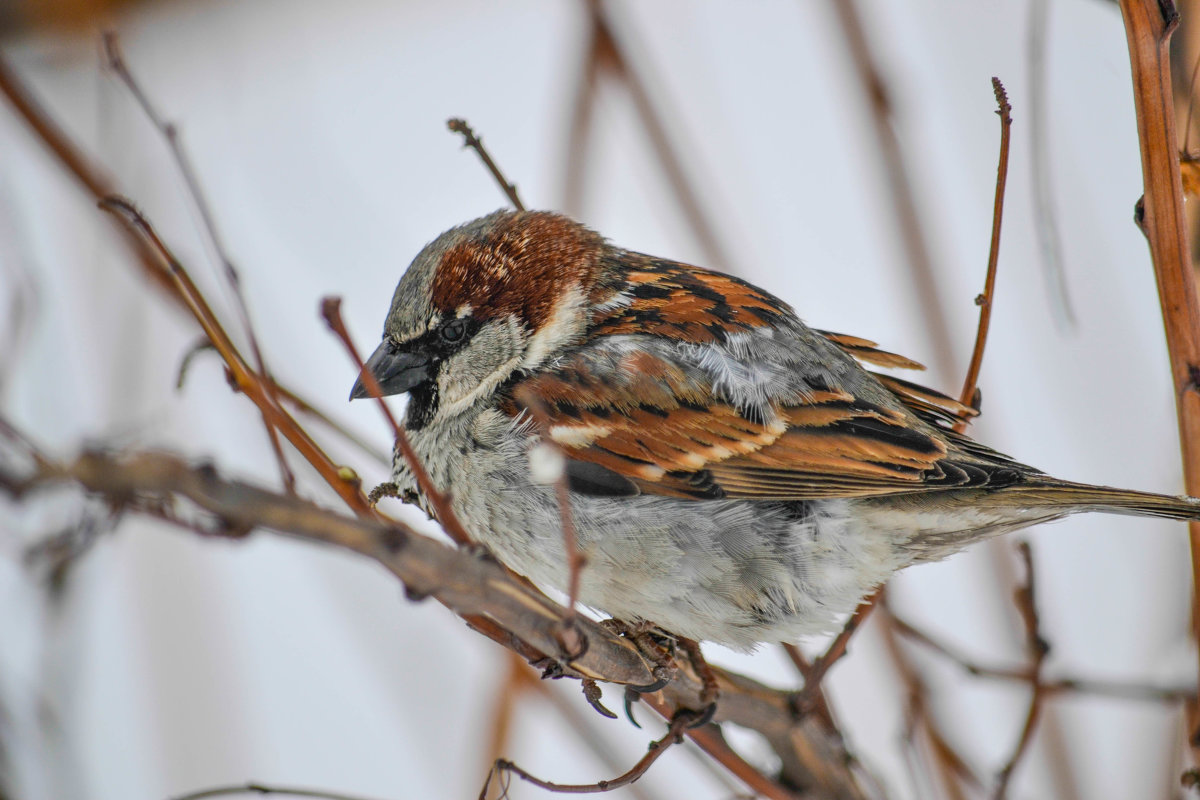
column 735, row 475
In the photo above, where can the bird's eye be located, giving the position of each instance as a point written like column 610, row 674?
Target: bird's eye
column 454, row 330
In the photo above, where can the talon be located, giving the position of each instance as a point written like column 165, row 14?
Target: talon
column 662, row 678
column 592, row 693
column 631, row 697
column 704, row 716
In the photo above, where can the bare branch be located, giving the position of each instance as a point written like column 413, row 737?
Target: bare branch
column 984, row 301
column 170, row 134
column 1026, row 600
column 472, row 141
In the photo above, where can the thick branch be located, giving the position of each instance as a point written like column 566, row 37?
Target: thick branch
column 479, row 589
column 1148, row 26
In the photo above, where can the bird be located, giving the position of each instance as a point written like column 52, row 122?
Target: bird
column 734, row 476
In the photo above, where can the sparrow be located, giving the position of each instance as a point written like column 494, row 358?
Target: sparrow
column 733, row 475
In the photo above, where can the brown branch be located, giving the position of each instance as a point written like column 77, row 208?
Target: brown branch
column 899, row 184
column 472, row 141
column 808, row 698
column 610, row 52
column 984, row 301
column 1026, row 601
column 247, row 381
column 331, row 312
column 494, row 603
column 575, row 559
column 674, row 735
column 170, row 134
column 1118, row 690
column 951, row 767
column 264, row 789
column 1148, row 27
column 152, row 255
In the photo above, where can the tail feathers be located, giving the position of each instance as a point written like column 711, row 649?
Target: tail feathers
column 1106, row 499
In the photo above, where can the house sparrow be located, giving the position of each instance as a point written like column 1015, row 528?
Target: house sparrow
column 734, row 475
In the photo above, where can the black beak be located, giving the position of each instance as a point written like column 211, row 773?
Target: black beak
column 394, row 371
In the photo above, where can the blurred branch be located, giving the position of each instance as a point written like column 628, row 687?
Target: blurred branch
column 1148, row 27
column 609, row 53
column 170, row 135
column 1025, row 598
column 904, row 203
column 1041, row 168
column 161, row 266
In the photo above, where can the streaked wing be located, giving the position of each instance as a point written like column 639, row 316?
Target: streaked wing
column 642, row 418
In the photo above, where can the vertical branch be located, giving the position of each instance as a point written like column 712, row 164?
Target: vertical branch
column 984, row 301
column 899, row 184
column 1148, row 27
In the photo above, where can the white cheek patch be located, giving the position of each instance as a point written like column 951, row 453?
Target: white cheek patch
column 475, row 371
column 566, row 322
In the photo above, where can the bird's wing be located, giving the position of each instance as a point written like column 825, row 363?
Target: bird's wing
column 635, row 420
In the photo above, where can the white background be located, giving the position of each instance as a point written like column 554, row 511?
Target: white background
column 318, row 129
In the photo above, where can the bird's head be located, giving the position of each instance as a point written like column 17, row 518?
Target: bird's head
column 485, row 300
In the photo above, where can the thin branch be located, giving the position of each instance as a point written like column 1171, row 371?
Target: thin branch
column 250, row 383
column 611, row 49
column 951, row 767
column 1148, row 27
column 575, row 558
column 1119, row 690
column 472, row 141
column 175, row 281
column 1041, row 167
column 985, row 300
column 899, row 184
column 1026, row 601
column 170, row 134
column 264, row 789
column 674, row 735
column 331, row 311
column 809, row 696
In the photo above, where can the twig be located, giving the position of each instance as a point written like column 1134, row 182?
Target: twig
column 331, row 312
column 264, row 789
column 903, row 200
column 170, row 134
column 472, row 141
column 247, row 380
column 1041, row 169
column 807, row 697
column 1111, row 689
column 308, row 409
column 951, row 767
column 674, row 735
column 480, row 590
column 1026, row 601
column 985, row 300
column 97, row 183
column 610, row 52
column 1148, row 27
column 575, row 559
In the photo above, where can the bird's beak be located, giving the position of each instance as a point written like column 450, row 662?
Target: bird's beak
column 394, row 371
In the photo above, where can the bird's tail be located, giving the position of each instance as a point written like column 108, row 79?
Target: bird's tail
column 1074, row 497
